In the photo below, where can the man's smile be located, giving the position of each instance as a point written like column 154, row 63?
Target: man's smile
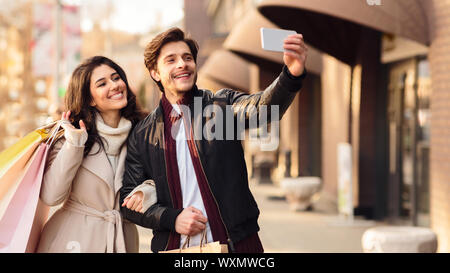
column 183, row 75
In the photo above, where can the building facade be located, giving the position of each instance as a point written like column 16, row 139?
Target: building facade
column 383, row 88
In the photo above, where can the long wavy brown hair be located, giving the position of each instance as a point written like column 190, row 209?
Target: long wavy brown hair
column 78, row 99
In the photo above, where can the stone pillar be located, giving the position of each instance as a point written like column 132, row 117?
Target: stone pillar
column 372, row 109
column 438, row 12
column 335, row 98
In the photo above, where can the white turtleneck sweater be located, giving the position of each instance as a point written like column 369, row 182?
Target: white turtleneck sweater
column 113, row 138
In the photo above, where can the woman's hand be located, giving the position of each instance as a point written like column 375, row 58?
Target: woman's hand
column 134, row 202
column 74, row 136
column 65, row 118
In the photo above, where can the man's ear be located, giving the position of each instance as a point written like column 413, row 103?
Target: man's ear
column 155, row 75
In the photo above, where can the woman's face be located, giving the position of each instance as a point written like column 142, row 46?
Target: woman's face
column 108, row 90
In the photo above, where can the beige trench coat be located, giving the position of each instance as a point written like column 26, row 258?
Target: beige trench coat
column 89, row 220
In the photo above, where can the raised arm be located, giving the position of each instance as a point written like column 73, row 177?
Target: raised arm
column 63, row 163
column 283, row 89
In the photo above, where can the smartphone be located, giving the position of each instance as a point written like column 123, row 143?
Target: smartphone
column 272, row 39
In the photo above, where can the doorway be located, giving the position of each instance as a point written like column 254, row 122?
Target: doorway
column 408, row 141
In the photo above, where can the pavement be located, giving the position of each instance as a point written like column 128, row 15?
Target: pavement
column 282, row 230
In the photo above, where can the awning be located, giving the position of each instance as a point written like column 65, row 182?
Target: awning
column 228, row 69
column 333, row 26
column 244, row 40
column 211, row 44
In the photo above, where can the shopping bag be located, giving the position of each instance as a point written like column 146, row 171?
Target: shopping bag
column 17, row 222
column 204, row 247
column 13, row 160
column 25, row 214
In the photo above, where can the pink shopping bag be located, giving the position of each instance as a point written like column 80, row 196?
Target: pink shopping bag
column 25, row 215
column 15, row 160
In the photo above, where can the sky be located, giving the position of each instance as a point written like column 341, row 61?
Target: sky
column 134, row 16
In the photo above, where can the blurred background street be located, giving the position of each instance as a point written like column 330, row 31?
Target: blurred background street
column 319, row 230
column 367, row 139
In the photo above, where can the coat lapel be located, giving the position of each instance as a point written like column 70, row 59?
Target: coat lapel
column 99, row 165
column 120, row 170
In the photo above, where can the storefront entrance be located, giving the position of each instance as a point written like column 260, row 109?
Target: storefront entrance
column 408, row 120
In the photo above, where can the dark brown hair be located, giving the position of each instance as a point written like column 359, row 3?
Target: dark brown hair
column 78, row 99
column 153, row 49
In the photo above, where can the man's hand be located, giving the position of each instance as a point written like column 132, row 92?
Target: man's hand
column 134, row 202
column 295, row 55
column 190, row 222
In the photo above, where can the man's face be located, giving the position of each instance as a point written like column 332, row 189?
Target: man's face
column 176, row 68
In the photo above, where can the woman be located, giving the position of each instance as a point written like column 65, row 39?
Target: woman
column 85, row 167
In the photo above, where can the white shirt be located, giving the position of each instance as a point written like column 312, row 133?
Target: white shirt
column 188, row 180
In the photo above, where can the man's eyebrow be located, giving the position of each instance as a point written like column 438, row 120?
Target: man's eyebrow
column 168, row 56
column 173, row 54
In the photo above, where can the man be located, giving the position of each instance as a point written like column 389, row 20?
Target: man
column 201, row 184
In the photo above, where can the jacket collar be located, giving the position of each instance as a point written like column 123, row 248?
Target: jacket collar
column 99, row 165
column 164, row 104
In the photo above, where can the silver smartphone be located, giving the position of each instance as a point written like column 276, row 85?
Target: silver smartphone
column 272, row 39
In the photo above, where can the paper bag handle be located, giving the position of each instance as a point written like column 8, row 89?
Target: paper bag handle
column 203, row 241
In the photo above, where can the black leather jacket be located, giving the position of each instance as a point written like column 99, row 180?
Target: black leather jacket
column 222, row 161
